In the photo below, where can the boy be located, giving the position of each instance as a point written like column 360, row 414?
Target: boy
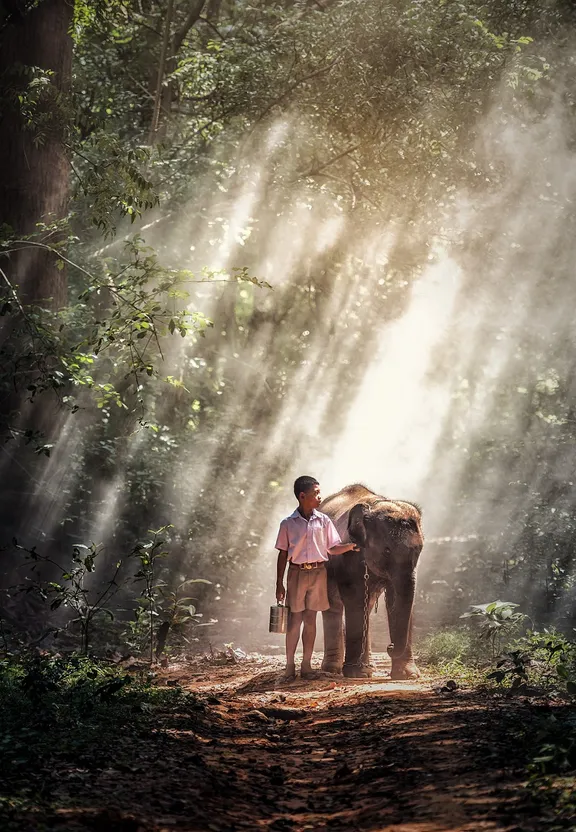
column 305, row 539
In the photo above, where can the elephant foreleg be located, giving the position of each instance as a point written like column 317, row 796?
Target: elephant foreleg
column 333, row 631
column 403, row 666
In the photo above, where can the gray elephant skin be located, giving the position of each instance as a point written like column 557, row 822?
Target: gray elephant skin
column 389, row 535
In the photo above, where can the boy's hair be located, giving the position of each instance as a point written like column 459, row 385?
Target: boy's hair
column 304, row 484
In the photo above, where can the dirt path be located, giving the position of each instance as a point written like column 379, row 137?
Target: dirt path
column 258, row 754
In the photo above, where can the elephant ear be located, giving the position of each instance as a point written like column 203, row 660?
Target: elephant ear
column 356, row 528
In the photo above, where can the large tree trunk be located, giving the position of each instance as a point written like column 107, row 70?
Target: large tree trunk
column 33, row 190
column 35, row 166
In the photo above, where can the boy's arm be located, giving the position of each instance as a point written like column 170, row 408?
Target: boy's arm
column 280, row 569
column 334, row 545
column 342, row 548
column 282, row 544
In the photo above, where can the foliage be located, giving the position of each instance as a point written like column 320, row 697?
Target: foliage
column 70, row 714
column 72, row 591
column 447, row 645
column 76, row 349
column 77, row 596
column 159, row 602
column 544, row 660
column 498, row 620
column 552, row 770
column 452, row 653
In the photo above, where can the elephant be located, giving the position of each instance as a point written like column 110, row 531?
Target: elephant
column 389, row 536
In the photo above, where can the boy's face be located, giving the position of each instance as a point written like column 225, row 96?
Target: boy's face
column 310, row 499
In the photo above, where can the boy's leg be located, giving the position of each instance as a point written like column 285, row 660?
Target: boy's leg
column 308, row 639
column 316, row 600
column 292, row 637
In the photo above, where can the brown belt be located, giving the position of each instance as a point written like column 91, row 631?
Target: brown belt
column 317, row 564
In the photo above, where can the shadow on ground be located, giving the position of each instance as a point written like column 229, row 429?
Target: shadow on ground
column 257, row 754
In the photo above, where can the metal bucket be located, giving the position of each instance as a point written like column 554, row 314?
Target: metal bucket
column 278, row 619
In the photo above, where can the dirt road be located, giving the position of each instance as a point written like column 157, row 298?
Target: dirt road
column 331, row 754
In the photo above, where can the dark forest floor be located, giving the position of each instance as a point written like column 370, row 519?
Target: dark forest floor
column 253, row 753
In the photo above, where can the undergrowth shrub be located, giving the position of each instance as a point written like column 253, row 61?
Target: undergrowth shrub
column 71, row 710
column 545, row 660
column 447, row 645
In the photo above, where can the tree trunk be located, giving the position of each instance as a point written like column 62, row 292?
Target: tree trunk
column 160, row 93
column 171, row 46
column 34, row 182
column 213, row 11
column 34, row 188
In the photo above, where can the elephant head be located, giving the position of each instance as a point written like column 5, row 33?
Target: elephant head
column 390, row 536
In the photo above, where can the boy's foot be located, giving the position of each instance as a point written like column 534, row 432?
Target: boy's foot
column 309, row 674
column 289, row 673
column 306, row 672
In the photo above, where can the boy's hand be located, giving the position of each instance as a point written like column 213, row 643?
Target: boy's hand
column 280, row 593
column 342, row 548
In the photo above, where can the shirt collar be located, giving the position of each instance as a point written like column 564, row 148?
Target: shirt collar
column 296, row 514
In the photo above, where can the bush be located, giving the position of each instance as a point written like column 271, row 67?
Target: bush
column 446, row 646
column 70, row 709
column 545, row 660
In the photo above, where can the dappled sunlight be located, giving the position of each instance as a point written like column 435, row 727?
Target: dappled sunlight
column 390, row 393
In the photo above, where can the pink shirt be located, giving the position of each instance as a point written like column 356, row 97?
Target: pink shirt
column 307, row 541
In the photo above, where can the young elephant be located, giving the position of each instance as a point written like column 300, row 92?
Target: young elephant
column 389, row 535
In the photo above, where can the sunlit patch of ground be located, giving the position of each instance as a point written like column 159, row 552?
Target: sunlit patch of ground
column 257, row 673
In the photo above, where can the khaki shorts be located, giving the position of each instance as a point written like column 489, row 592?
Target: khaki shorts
column 307, row 589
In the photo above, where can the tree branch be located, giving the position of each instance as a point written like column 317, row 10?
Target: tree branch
column 291, row 88
column 194, row 12
column 319, row 168
column 211, row 26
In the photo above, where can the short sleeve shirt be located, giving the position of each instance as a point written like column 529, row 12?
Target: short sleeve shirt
column 307, row 541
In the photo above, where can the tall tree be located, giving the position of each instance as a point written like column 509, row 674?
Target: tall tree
column 35, row 74
column 35, row 78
